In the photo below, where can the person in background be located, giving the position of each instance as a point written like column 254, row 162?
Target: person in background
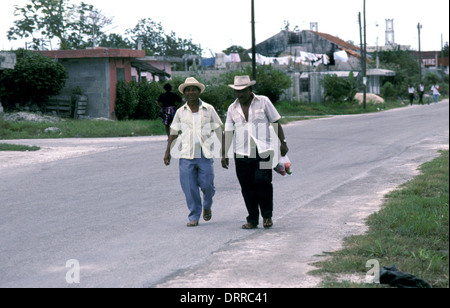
column 167, row 102
column 411, row 91
column 421, row 93
column 195, row 123
column 435, row 92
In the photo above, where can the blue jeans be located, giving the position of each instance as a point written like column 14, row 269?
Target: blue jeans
column 195, row 175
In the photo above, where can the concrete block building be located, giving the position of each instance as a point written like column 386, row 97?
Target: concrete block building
column 97, row 71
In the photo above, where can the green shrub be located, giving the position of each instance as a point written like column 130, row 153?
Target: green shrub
column 148, row 94
column 127, row 99
column 220, row 96
column 388, row 91
column 338, row 89
column 33, row 80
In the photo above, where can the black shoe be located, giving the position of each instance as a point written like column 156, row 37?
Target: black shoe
column 249, row 226
column 267, row 223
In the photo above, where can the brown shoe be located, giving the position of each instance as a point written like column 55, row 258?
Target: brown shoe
column 207, row 215
column 193, row 223
column 249, row 226
column 267, row 223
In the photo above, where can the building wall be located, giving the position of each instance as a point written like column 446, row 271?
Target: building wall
column 117, row 67
column 98, row 78
column 7, row 60
column 92, row 76
column 96, row 72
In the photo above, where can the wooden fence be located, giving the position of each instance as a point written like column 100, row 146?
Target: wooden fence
column 68, row 106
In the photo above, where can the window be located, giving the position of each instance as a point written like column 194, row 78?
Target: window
column 294, row 39
column 120, row 74
column 304, row 85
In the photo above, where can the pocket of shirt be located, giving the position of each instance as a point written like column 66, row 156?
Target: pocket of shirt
column 206, row 119
column 260, row 115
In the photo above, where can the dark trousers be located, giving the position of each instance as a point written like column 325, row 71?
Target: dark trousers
column 256, row 185
column 411, row 98
column 421, row 97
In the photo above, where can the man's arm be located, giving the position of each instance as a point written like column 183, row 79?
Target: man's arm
column 227, row 140
column 283, row 147
column 167, row 156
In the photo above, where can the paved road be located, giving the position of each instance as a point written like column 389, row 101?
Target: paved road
column 111, row 205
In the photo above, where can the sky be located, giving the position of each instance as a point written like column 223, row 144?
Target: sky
column 217, row 25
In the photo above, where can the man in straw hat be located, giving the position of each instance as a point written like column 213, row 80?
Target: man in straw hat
column 252, row 120
column 195, row 124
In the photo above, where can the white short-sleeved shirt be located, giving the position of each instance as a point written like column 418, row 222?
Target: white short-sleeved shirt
column 257, row 130
column 201, row 130
column 435, row 90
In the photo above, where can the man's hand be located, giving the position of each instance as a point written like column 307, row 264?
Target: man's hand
column 284, row 149
column 167, row 158
column 225, row 163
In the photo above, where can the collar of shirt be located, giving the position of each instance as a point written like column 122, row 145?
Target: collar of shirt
column 238, row 107
column 200, row 106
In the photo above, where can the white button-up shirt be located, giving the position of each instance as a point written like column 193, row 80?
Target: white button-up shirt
column 202, row 130
column 257, row 130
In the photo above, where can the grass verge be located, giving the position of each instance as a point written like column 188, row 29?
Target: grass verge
column 410, row 231
column 16, row 147
column 80, row 129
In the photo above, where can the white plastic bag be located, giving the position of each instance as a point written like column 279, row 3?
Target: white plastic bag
column 284, row 166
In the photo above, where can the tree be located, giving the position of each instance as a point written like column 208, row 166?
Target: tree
column 270, row 81
column 156, row 42
column 33, row 80
column 76, row 26
column 234, row 49
column 87, row 25
column 405, row 66
column 114, row 40
column 445, row 50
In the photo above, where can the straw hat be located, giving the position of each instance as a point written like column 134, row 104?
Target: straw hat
column 242, row 82
column 192, row 82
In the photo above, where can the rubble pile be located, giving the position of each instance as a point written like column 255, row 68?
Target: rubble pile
column 31, row 117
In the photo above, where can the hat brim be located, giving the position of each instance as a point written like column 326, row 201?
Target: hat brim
column 198, row 85
column 239, row 88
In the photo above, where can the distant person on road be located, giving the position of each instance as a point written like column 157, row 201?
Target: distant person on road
column 435, row 93
column 195, row 124
column 411, row 92
column 421, row 93
column 167, row 102
column 249, row 123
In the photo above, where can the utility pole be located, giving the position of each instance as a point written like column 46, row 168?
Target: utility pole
column 419, row 26
column 253, row 41
column 442, row 55
column 361, row 41
column 365, row 59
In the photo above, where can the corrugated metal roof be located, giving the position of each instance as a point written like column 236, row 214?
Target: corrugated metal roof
column 146, row 67
column 339, row 42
